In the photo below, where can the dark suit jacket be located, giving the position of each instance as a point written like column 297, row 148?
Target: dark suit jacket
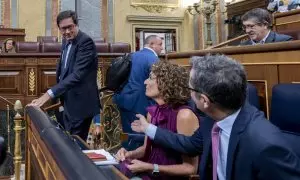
column 132, row 99
column 257, row 149
column 77, row 86
column 273, row 37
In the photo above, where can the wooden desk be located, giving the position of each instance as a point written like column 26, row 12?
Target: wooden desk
column 85, row 146
column 52, row 154
column 287, row 21
column 26, row 76
column 266, row 65
column 16, row 34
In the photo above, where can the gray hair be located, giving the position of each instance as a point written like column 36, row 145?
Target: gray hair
column 221, row 78
column 151, row 38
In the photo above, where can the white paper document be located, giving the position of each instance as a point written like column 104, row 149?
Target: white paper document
column 110, row 160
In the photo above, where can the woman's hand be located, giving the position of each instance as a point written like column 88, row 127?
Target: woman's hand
column 139, row 125
column 122, row 154
column 139, row 166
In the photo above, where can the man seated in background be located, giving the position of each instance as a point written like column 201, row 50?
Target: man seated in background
column 294, row 4
column 132, row 99
column 236, row 140
column 283, row 5
column 257, row 24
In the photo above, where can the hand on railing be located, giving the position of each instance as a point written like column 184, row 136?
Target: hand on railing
column 40, row 101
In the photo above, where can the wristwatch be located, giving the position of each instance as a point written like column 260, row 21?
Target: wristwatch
column 155, row 171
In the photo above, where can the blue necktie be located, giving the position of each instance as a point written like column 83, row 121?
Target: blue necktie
column 64, row 58
column 65, row 52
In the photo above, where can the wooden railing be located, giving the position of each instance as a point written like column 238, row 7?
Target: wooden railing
column 17, row 137
column 53, row 154
column 235, row 41
column 266, row 65
column 26, row 76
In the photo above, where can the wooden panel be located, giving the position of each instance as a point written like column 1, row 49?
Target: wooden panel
column 42, row 157
column 287, row 21
column 16, row 34
column 266, row 75
column 48, row 79
column 289, row 73
column 266, row 65
column 11, row 82
column 26, row 76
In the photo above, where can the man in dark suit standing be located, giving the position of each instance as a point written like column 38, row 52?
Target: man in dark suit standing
column 76, row 76
column 236, row 141
column 257, row 23
column 132, row 99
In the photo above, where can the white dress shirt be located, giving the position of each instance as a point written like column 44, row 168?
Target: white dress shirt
column 225, row 126
column 64, row 66
column 261, row 41
column 152, row 51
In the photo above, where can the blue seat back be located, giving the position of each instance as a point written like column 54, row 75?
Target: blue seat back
column 285, row 113
column 252, row 95
column 285, row 107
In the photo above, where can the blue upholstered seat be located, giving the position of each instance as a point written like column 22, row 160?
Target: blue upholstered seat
column 252, row 95
column 285, row 112
column 285, row 107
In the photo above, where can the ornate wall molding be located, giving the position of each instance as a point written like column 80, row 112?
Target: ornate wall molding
column 155, row 18
column 155, row 6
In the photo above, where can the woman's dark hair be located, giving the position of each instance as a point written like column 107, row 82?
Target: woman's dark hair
column 67, row 14
column 4, row 44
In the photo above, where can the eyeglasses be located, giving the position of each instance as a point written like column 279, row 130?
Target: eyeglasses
column 250, row 26
column 192, row 89
column 151, row 76
column 69, row 27
column 201, row 92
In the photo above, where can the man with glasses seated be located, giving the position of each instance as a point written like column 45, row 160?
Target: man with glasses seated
column 257, row 24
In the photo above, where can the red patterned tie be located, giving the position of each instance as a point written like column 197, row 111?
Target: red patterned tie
column 215, row 137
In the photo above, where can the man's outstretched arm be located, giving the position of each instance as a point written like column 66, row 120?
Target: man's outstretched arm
column 191, row 145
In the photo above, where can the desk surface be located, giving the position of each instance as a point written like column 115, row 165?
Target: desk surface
column 110, row 171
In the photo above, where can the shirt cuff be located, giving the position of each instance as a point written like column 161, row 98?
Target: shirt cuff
column 151, row 131
column 50, row 92
column 97, row 124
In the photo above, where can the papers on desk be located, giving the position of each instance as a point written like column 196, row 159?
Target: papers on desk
column 110, row 160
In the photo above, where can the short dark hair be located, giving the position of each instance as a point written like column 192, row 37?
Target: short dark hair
column 262, row 16
column 221, row 78
column 150, row 38
column 67, row 14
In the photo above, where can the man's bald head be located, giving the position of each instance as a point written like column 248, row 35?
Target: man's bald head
column 155, row 43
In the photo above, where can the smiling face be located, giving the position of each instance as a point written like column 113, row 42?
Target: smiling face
column 152, row 86
column 68, row 28
column 256, row 31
